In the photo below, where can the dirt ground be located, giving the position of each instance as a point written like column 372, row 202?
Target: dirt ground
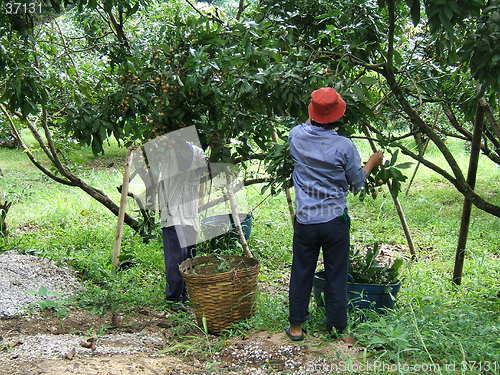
column 46, row 344
column 81, row 343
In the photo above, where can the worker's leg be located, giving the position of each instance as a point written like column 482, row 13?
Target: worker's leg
column 336, row 260
column 174, row 254
column 305, row 255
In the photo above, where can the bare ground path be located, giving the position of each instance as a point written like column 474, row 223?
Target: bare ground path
column 45, row 344
column 82, row 343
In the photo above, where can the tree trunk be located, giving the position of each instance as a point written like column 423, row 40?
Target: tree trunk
column 471, row 181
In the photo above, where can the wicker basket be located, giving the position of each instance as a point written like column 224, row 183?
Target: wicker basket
column 221, row 297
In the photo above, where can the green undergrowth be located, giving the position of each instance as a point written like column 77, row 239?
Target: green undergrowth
column 434, row 322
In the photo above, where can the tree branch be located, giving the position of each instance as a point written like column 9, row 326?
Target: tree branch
column 375, row 67
column 213, row 18
column 420, row 123
column 36, row 134
column 72, row 179
column 390, row 34
column 116, row 26
column 241, row 8
column 389, row 139
column 257, row 181
column 455, row 123
column 462, row 187
column 249, row 157
column 28, row 152
column 467, row 135
column 65, row 46
column 494, row 123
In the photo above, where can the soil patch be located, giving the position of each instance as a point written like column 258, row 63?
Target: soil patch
column 78, row 322
column 265, row 353
column 28, row 227
column 81, row 343
column 137, row 364
column 107, row 162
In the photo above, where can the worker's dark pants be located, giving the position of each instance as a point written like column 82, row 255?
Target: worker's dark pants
column 174, row 255
column 333, row 238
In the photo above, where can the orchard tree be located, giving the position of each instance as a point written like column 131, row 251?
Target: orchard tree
column 429, row 69
column 420, row 67
column 121, row 69
column 135, row 69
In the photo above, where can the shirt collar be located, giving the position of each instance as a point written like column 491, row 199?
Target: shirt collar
column 317, row 130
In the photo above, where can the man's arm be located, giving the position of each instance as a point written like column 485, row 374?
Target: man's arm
column 355, row 174
column 375, row 160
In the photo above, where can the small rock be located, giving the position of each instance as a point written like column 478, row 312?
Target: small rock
column 90, row 343
column 348, row 339
column 15, row 343
column 70, row 355
column 116, row 320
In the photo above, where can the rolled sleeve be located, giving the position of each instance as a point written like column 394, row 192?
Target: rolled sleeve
column 355, row 174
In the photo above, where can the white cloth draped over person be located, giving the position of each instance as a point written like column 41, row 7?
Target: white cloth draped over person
column 170, row 175
column 179, row 193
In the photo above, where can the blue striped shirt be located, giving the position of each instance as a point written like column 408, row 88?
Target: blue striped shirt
column 326, row 166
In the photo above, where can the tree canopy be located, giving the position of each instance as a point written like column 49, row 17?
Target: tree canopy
column 90, row 70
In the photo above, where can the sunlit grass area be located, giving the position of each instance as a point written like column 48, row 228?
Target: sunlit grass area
column 435, row 321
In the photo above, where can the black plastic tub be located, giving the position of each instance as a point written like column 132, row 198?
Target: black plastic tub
column 364, row 296
column 225, row 224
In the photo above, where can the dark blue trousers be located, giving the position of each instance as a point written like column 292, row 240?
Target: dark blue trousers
column 333, row 238
column 174, row 255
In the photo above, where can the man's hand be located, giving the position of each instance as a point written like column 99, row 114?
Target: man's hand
column 375, row 160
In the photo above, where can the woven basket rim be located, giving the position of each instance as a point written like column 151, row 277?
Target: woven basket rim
column 220, row 276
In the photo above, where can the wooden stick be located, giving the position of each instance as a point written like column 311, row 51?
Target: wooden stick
column 287, row 190
column 395, row 199
column 236, row 216
column 290, row 205
column 421, row 154
column 416, row 167
column 121, row 212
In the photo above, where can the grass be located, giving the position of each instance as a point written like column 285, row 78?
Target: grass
column 435, row 322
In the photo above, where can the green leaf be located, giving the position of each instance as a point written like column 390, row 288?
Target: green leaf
column 396, row 174
column 394, row 157
column 415, row 12
column 404, row 165
column 205, row 324
column 55, row 4
column 369, row 80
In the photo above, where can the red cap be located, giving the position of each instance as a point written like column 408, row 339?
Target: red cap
column 326, row 105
